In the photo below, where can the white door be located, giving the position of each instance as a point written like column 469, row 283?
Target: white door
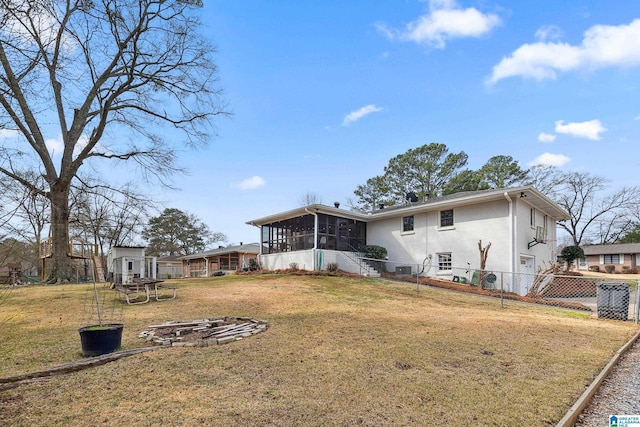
column 526, row 275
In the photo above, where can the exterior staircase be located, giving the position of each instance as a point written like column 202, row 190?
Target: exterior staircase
column 354, row 263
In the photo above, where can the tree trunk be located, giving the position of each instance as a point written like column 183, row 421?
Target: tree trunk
column 61, row 261
column 484, row 253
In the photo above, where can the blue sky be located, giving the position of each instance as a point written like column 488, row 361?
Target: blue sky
column 323, row 94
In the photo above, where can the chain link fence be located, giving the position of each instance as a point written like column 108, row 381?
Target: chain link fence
column 606, row 297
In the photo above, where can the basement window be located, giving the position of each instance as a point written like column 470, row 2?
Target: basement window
column 444, row 262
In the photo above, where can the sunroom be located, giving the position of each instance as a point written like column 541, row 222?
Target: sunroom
column 310, row 238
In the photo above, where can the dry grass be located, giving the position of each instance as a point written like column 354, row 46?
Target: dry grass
column 339, row 352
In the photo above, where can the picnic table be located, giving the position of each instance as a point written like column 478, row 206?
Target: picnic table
column 140, row 289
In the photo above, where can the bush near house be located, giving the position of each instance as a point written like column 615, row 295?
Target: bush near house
column 609, row 268
column 594, row 268
column 374, row 251
column 332, row 267
column 627, row 269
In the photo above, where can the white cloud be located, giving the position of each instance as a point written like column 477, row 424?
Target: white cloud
column 548, row 32
column 47, row 27
column 252, row 183
column 590, row 130
column 548, row 159
column 602, row 46
column 356, row 115
column 637, row 117
column 9, row 133
column 56, row 146
column 445, row 20
column 546, row 137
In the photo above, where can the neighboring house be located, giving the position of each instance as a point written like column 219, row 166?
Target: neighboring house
column 230, row 258
column 625, row 257
column 168, row 267
column 439, row 236
column 125, row 263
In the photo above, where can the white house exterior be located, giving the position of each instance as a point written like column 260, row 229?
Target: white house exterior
column 436, row 238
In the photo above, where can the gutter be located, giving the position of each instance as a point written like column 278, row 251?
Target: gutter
column 512, row 238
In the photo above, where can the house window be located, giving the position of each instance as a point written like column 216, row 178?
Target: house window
column 532, row 217
column 446, row 218
column 611, row 259
column 407, row 223
column 444, row 261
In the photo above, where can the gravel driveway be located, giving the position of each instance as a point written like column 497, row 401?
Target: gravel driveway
column 619, row 394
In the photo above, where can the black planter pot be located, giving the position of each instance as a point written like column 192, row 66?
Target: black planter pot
column 97, row 340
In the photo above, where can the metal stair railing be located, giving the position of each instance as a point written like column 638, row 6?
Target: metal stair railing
column 355, row 255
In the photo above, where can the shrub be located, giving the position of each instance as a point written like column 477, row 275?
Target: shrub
column 594, row 268
column 332, row 267
column 570, row 254
column 294, row 266
column 626, row 269
column 374, row 251
column 609, row 268
column 253, row 264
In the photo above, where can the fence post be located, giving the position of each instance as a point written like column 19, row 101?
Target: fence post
column 637, row 308
column 417, row 279
column 501, row 289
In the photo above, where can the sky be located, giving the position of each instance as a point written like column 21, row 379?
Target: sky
column 323, row 94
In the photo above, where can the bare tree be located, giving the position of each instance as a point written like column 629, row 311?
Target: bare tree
column 108, row 216
column 114, row 76
column 591, row 205
column 309, row 198
column 31, row 208
column 545, row 179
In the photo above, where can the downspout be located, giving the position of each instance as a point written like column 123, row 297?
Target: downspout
column 512, row 236
column 315, row 237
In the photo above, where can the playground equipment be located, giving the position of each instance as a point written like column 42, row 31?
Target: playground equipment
column 78, row 249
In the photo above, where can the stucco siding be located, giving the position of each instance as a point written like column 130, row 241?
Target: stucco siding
column 527, row 221
column 487, row 222
column 282, row 261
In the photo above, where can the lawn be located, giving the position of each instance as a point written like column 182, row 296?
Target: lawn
column 338, row 352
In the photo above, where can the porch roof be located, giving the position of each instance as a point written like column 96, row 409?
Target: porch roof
column 253, row 248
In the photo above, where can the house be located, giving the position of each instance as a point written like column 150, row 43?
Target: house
column 437, row 238
column 168, row 267
column 230, row 258
column 624, row 257
column 125, row 263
